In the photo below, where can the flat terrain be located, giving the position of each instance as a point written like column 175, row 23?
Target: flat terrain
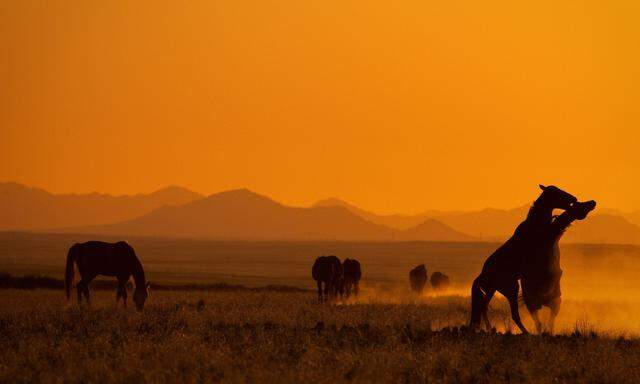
column 288, row 337
column 387, row 334
column 592, row 272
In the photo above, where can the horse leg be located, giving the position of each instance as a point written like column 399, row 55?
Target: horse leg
column 79, row 289
column 319, row 283
column 122, row 290
column 485, row 309
column 554, row 305
column 83, row 290
column 512, row 297
column 479, row 303
column 536, row 319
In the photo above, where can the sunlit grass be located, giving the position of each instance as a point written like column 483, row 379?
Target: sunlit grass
column 275, row 337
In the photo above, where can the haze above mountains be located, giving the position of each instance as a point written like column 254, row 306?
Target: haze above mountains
column 245, row 215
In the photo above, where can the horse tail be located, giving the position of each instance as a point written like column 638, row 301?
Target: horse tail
column 68, row 275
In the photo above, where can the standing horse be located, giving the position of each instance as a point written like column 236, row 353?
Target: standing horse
column 95, row 258
column 418, row 278
column 541, row 281
column 502, row 270
column 351, row 276
column 327, row 272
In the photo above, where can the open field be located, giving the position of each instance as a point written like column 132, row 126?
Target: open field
column 276, row 337
column 594, row 272
column 242, row 335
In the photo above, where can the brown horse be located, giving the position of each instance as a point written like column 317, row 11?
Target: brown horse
column 418, row 278
column 327, row 272
column 95, row 258
column 352, row 274
column 502, row 270
column 541, row 281
column 439, row 281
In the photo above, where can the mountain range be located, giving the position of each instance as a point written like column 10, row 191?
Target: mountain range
column 245, row 215
column 27, row 208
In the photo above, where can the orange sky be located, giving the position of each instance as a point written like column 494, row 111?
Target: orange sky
column 395, row 106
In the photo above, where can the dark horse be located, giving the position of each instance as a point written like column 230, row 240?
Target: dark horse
column 327, row 271
column 351, row 276
column 439, row 281
column 418, row 278
column 502, row 270
column 95, row 258
column 541, row 281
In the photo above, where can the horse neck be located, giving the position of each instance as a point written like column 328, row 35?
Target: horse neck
column 539, row 212
column 560, row 224
column 138, row 275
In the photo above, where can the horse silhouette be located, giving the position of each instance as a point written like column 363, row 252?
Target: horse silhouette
column 418, row 278
column 327, row 272
column 541, row 280
column 95, row 258
column 351, row 277
column 502, row 269
column 439, row 281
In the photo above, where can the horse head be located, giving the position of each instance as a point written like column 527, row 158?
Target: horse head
column 554, row 197
column 140, row 296
column 580, row 210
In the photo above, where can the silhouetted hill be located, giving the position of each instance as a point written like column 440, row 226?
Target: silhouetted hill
column 26, row 208
column 242, row 214
column 433, row 230
column 490, row 224
column 394, row 221
column 498, row 224
column 603, row 228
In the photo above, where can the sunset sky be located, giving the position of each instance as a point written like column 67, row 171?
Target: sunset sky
column 394, row 106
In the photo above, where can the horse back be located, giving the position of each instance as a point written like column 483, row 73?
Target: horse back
column 104, row 258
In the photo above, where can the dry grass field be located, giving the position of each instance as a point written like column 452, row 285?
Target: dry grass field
column 287, row 337
column 242, row 335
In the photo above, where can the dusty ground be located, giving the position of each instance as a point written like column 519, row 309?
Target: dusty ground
column 288, row 337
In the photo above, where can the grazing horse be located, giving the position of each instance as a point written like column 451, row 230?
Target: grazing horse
column 351, row 280
column 327, row 271
column 541, row 282
column 95, row 258
column 439, row 281
column 502, row 270
column 418, row 278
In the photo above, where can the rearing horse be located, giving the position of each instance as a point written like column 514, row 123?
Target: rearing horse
column 95, row 258
column 502, row 270
column 541, row 280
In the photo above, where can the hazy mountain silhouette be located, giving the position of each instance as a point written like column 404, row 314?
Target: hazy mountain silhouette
column 491, row 224
column 604, row 228
column 245, row 215
column 242, row 214
column 433, row 230
column 26, row 208
column 394, row 221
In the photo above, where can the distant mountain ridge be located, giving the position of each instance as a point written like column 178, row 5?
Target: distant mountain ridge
column 27, row 208
column 245, row 215
column 491, row 224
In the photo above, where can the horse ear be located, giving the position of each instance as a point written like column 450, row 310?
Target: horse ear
column 542, row 187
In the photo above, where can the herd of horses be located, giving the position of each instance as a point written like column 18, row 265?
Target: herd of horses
column 528, row 261
column 335, row 278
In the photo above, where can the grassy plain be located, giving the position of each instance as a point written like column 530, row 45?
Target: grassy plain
column 387, row 335
column 287, row 337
